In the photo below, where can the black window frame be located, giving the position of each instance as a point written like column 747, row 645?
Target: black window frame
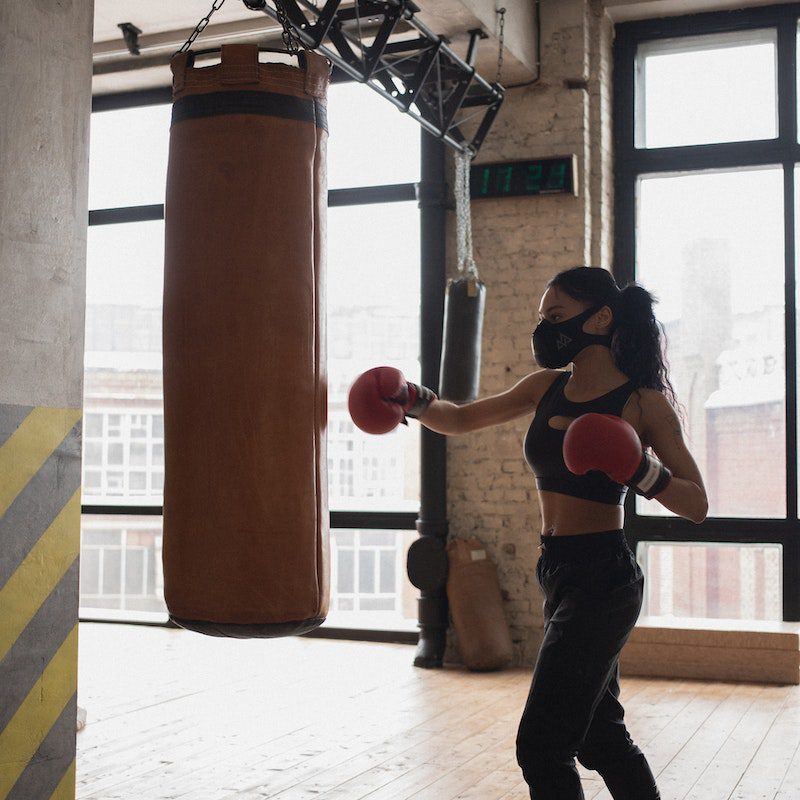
column 431, row 194
column 630, row 163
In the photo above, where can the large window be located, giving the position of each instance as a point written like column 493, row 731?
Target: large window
column 373, row 318
column 706, row 149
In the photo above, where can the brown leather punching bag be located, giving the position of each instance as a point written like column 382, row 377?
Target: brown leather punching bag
column 245, row 390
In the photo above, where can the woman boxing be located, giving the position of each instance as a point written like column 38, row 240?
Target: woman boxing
column 585, row 446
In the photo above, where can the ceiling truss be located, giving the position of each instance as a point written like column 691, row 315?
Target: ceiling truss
column 421, row 76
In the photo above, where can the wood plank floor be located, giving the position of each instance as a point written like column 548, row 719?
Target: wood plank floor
column 172, row 714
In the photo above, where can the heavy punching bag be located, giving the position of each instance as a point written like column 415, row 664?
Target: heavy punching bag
column 460, row 373
column 245, row 392
column 465, row 301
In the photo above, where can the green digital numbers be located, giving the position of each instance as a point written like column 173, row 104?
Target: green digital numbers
column 542, row 176
column 504, row 176
column 485, row 181
column 555, row 179
column 533, row 178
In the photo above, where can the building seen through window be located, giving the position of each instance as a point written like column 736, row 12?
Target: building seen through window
column 707, row 234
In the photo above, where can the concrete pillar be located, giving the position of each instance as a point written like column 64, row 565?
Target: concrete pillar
column 45, row 96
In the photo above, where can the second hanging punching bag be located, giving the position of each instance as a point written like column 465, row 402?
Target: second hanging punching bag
column 245, row 390
column 465, row 301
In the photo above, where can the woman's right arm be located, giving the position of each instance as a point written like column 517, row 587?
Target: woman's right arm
column 445, row 417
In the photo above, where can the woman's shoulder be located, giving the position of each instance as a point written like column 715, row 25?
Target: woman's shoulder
column 541, row 380
column 651, row 397
column 547, row 377
column 655, row 406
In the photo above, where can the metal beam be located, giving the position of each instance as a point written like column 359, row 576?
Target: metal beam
column 422, row 77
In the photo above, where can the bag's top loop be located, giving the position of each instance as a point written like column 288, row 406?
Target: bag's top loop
column 318, row 72
column 239, row 63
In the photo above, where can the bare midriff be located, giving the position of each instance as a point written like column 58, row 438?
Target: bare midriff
column 564, row 515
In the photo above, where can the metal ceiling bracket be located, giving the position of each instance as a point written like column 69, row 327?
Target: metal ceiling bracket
column 130, row 33
column 475, row 35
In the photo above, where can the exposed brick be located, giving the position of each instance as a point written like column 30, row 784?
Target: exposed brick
column 520, row 243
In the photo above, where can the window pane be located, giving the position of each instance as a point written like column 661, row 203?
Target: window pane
column 381, row 604
column 111, row 560
column 138, row 453
column 701, row 238
column 373, row 319
column 136, row 571
column 729, row 581
column 90, row 573
column 92, row 425
column 388, row 565
column 128, row 156
column 121, row 567
column 371, row 142
column 378, row 604
column 345, row 583
column 377, row 538
column 703, row 89
column 366, row 571
column 122, row 363
column 92, row 453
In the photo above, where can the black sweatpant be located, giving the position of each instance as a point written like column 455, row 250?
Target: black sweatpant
column 593, row 591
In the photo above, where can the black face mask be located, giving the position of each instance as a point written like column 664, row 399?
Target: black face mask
column 555, row 344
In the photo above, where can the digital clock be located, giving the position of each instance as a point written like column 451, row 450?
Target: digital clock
column 515, row 178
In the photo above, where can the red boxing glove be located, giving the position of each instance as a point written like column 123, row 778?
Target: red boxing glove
column 381, row 398
column 608, row 443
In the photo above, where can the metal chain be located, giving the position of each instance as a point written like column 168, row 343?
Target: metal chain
column 288, row 37
column 502, row 13
column 216, row 6
column 463, row 215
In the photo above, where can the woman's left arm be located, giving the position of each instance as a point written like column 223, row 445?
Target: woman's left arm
column 685, row 494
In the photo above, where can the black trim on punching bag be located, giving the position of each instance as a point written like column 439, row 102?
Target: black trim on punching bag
column 461, row 349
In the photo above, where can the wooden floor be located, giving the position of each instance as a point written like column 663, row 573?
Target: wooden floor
column 172, row 714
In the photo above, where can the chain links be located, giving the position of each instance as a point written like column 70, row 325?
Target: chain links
column 463, row 215
column 216, row 6
column 502, row 13
column 288, row 37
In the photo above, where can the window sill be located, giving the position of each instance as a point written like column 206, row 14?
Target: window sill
column 763, row 651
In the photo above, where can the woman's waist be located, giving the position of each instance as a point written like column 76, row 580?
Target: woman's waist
column 584, row 546
column 564, row 515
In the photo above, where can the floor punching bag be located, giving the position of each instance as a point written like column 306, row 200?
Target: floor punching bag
column 245, row 390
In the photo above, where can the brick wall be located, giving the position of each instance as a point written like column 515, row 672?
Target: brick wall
column 519, row 244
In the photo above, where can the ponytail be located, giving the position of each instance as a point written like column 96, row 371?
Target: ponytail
column 638, row 344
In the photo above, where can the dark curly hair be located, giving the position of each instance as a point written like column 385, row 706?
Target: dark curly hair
column 638, row 343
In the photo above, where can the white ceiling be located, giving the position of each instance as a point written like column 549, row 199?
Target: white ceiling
column 166, row 24
column 157, row 16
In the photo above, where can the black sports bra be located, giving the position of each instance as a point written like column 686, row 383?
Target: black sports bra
column 543, row 444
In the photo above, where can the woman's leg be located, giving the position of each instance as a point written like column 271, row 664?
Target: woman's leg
column 582, row 640
column 609, row 749
column 590, row 609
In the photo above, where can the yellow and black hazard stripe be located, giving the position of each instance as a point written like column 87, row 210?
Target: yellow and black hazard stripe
column 40, row 477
